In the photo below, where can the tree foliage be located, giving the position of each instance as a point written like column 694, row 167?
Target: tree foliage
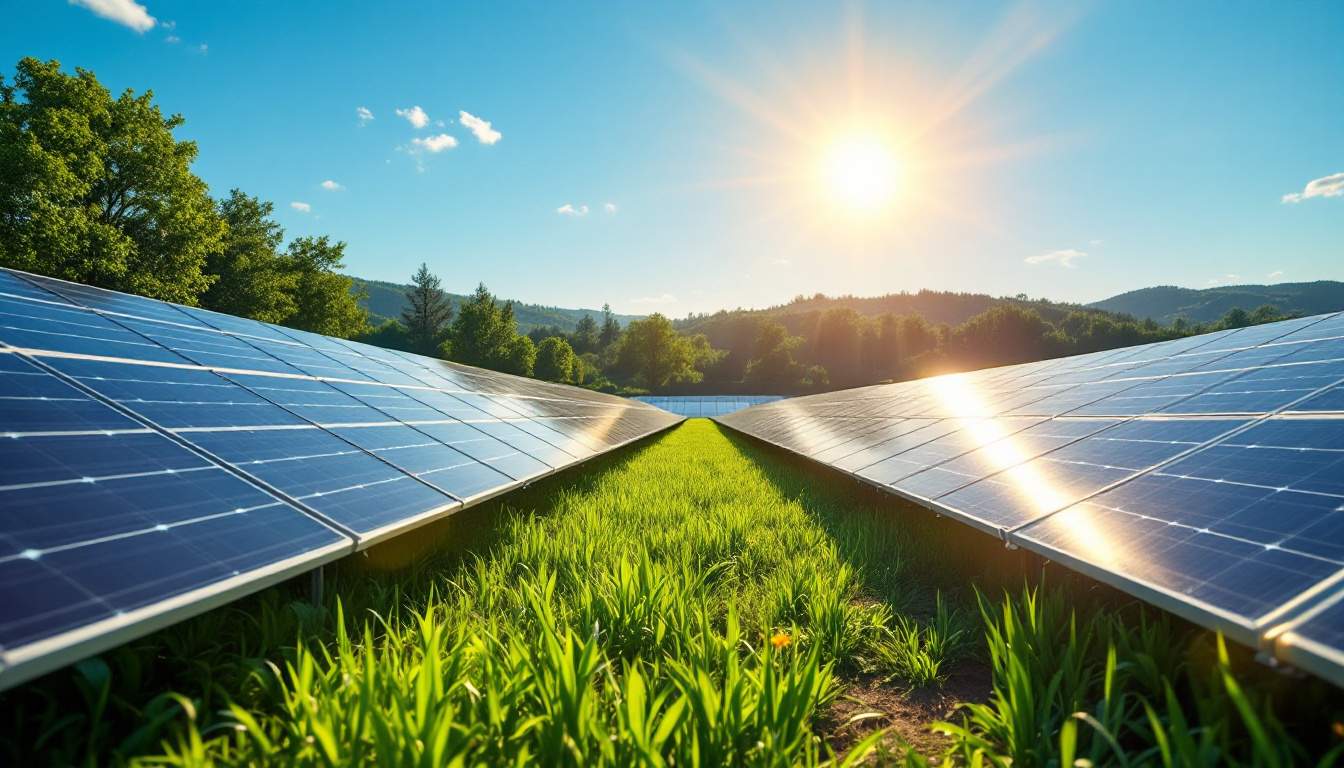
column 252, row 279
column 428, row 313
column 556, row 361
column 97, row 190
column 323, row 300
column 655, row 355
column 773, row 366
column 586, row 336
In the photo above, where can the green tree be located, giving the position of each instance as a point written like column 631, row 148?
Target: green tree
column 520, row 356
column 586, row 335
column 97, row 190
column 772, row 365
column 390, row 335
column 324, row 301
column 1235, row 317
column 611, row 328
column 428, row 313
column 656, row 355
column 482, row 331
column 556, row 361
column 1001, row 335
column 251, row 278
column 835, row 344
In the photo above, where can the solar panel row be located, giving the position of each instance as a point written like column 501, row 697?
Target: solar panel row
column 692, row 406
column 157, row 460
column 1203, row 474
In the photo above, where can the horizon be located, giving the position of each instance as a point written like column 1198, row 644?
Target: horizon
column 688, row 161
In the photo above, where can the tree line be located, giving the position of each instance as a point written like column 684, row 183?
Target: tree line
column 97, row 190
column 838, row 347
column 646, row 354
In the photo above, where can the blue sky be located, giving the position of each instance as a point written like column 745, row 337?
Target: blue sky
column 1060, row 150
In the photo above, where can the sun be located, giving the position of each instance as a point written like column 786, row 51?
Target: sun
column 860, row 174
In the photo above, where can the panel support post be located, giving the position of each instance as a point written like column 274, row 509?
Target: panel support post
column 315, row 585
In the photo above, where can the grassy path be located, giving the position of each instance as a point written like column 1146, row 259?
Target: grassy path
column 696, row 601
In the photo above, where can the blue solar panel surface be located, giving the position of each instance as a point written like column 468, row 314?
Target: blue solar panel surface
column 157, row 460
column 692, row 406
column 1203, row 474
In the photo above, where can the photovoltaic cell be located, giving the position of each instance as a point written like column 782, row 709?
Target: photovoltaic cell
column 156, row 460
column 102, row 519
column 1204, row 474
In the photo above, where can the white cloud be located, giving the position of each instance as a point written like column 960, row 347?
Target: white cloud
column 301, row 207
column 1094, row 243
column 127, row 13
column 332, row 186
column 664, row 298
column 568, row 209
column 1326, row 186
column 481, row 128
column 1228, row 279
column 203, row 48
column 1064, row 258
column 1275, row 274
column 415, row 116
column 172, row 39
column 434, row 144
column 609, row 207
column 364, row 114
column 780, row 262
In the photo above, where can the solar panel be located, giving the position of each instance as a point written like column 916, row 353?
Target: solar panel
column 1203, row 474
column 157, row 460
column 692, row 406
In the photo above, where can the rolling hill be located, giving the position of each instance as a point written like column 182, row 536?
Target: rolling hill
column 387, row 300
column 1165, row 303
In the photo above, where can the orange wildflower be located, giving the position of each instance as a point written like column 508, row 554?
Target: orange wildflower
column 780, row 640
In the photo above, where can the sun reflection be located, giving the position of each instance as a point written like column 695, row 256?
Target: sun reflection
column 1029, row 483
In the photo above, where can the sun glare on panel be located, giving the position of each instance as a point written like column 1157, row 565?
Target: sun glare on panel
column 860, row 174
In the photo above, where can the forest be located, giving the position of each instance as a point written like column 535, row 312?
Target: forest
column 97, row 189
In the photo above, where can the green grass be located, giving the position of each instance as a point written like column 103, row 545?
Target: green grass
column 698, row 600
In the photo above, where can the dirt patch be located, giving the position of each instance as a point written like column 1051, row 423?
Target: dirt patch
column 907, row 712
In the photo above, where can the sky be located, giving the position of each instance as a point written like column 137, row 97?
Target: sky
column 692, row 156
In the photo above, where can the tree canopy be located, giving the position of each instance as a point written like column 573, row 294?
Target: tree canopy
column 655, row 355
column 428, row 313
column 555, row 360
column 252, row 277
column 97, row 190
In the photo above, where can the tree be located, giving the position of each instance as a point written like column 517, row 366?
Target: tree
column 520, row 356
column 835, row 344
column 390, row 335
column 772, row 365
column 541, row 333
column 323, row 300
column 586, row 335
column 1001, row 335
column 611, row 328
column 656, row 355
column 428, row 312
column 251, row 278
column 1235, row 317
column 556, row 361
column 482, row 331
column 97, row 190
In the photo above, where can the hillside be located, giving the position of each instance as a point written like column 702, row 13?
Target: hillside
column 1165, row 303
column 386, row 300
column 938, row 307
